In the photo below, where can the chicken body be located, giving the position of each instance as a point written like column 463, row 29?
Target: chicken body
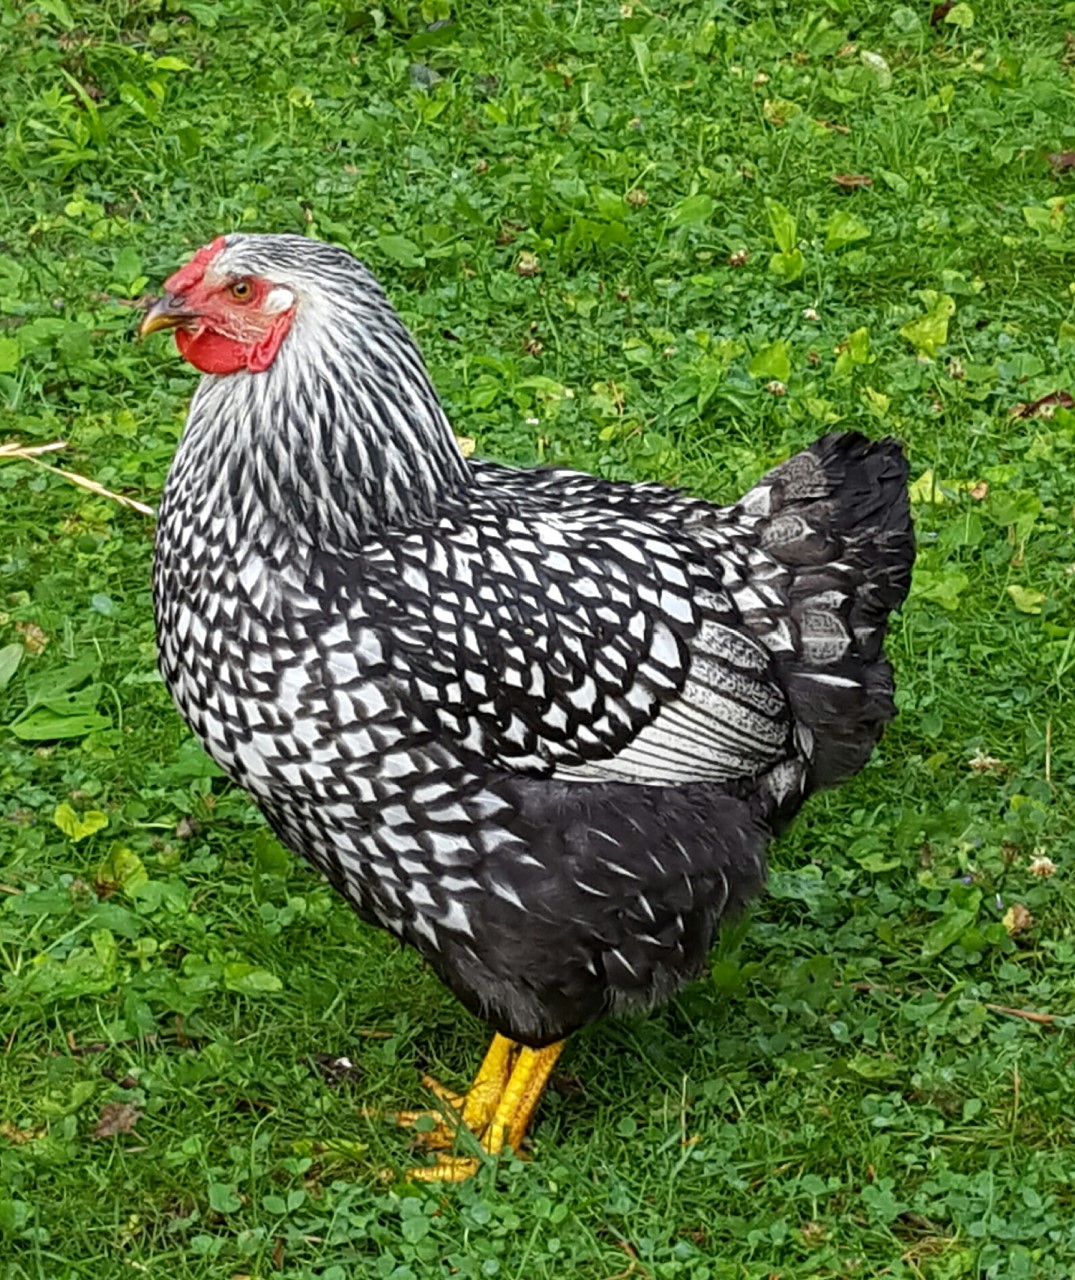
column 538, row 725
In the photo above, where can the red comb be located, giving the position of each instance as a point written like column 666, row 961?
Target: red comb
column 186, row 277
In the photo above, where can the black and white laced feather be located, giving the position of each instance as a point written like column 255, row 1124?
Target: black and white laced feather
column 538, row 725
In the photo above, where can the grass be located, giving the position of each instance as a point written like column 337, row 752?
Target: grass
column 618, row 236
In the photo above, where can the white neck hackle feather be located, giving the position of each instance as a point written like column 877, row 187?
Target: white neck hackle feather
column 344, row 433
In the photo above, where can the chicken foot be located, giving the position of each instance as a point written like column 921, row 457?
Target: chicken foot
column 496, row 1109
column 472, row 1110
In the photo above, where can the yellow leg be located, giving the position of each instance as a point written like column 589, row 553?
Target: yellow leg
column 475, row 1108
column 494, row 1074
column 511, row 1118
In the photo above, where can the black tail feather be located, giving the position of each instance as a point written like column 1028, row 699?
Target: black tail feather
column 839, row 518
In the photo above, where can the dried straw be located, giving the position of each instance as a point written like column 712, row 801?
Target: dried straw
column 32, row 453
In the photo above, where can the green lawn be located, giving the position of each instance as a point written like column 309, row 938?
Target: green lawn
column 622, row 238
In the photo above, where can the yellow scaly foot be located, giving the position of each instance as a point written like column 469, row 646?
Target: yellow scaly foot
column 472, row 1110
column 530, row 1071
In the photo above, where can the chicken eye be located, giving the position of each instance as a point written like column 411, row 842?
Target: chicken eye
column 242, row 290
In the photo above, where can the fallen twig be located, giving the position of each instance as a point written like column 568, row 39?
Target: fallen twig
column 1028, row 1015
column 12, row 449
column 634, row 1268
column 77, row 1050
column 32, row 453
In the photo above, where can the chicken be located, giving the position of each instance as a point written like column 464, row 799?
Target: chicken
column 538, row 725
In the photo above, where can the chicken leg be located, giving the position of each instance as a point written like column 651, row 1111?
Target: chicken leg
column 473, row 1109
column 497, row 1109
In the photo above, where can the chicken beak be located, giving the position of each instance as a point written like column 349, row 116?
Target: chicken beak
column 167, row 312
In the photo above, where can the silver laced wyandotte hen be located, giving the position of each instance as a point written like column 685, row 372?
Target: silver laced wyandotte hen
column 538, row 725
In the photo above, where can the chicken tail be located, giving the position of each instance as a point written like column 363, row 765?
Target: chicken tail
column 836, row 521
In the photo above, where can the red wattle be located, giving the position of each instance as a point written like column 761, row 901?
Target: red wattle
column 211, row 352
column 263, row 353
